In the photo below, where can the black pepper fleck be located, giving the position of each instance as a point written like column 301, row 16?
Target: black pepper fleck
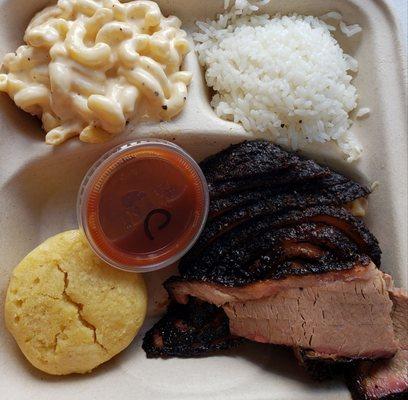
column 156, row 93
column 282, row 125
column 164, row 107
column 300, row 121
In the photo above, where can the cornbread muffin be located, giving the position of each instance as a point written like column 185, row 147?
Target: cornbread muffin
column 68, row 310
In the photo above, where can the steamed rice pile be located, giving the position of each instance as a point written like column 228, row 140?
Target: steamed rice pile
column 283, row 75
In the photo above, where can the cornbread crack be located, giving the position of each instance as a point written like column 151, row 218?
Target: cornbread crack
column 79, row 308
column 56, row 340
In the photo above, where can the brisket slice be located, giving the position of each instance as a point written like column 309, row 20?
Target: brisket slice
column 336, row 189
column 301, row 172
column 308, row 208
column 189, row 330
column 223, row 261
column 386, row 379
column 381, row 380
column 332, row 313
column 180, row 289
column 247, row 160
column 399, row 315
column 321, row 367
column 303, row 249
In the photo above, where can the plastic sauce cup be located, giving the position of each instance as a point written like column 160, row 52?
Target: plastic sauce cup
column 143, row 205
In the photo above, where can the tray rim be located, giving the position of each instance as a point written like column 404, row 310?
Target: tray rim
column 401, row 50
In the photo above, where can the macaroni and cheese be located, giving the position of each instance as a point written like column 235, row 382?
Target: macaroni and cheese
column 87, row 64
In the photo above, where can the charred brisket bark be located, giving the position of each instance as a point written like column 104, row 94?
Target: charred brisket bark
column 276, row 204
column 191, row 330
column 210, row 259
column 247, row 160
column 335, row 190
column 301, row 172
column 322, row 368
column 242, row 260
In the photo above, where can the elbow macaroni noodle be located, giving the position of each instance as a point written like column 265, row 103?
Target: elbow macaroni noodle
column 88, row 63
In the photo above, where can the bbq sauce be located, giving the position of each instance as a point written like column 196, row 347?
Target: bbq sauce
column 146, row 207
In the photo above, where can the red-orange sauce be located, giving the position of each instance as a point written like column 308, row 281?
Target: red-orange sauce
column 145, row 207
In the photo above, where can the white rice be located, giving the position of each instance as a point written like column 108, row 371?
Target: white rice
column 363, row 112
column 283, row 75
column 332, row 15
column 350, row 30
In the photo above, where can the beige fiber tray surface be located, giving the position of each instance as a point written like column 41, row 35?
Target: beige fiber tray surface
column 38, row 187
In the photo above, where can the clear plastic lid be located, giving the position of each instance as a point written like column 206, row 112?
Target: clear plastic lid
column 143, row 205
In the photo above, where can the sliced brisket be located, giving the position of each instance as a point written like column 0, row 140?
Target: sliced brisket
column 336, row 189
column 321, row 367
column 307, row 311
column 386, row 379
column 282, row 260
column 190, row 330
column 248, row 160
column 223, row 261
column 296, row 250
column 275, row 205
column 301, row 172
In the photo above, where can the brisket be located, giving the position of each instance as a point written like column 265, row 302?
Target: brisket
column 271, row 203
column 190, row 330
column 305, row 311
column 335, row 189
column 283, row 260
column 386, row 379
column 236, row 264
column 222, row 260
column 247, row 160
column 301, row 172
column 321, row 367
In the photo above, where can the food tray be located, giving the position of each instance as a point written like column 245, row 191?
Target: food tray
column 39, row 186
